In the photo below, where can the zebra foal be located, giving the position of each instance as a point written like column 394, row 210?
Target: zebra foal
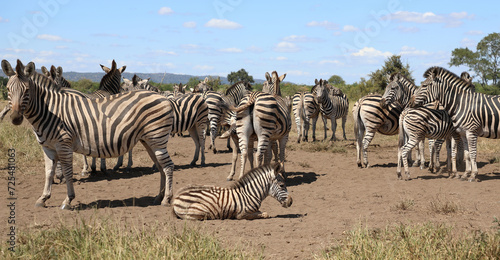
column 65, row 121
column 476, row 114
column 240, row 201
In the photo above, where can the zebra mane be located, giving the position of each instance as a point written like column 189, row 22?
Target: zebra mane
column 250, row 175
column 42, row 80
column 404, row 77
column 444, row 73
column 110, row 82
column 234, row 86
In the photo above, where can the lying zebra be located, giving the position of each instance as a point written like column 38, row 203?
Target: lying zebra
column 240, row 201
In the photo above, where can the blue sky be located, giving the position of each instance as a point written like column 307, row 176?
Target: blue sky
column 306, row 40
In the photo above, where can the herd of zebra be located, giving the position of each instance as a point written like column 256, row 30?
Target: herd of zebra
column 111, row 121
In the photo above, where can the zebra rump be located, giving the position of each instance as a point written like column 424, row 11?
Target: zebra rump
column 241, row 200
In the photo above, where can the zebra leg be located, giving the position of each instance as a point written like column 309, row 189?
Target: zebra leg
column 366, row 142
column 421, row 154
column 334, row 128
column 282, row 147
column 300, row 128
column 162, row 159
column 234, row 158
column 130, row 161
column 252, row 215
column 344, row 119
column 314, row 121
column 93, row 165
column 65, row 155
column 119, row 163
column 325, row 121
column 50, row 167
column 103, row 165
column 407, row 147
column 213, row 135
column 305, row 132
column 472, row 141
column 85, row 169
column 400, row 159
column 4, row 112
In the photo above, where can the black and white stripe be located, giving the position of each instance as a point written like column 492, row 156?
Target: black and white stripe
column 477, row 114
column 305, row 108
column 65, row 122
column 240, row 201
column 332, row 107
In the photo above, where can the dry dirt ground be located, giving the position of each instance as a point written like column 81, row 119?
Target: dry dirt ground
column 331, row 196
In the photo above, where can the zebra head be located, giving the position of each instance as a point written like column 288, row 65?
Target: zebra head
column 111, row 81
column 272, row 83
column 393, row 90
column 18, row 88
column 278, row 188
column 320, row 91
column 203, row 86
column 427, row 91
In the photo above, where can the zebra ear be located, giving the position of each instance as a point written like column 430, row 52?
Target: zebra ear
column 45, row 72
column 29, row 70
column 59, row 71
column 277, row 168
column 268, row 77
column 105, row 69
column 122, row 69
column 53, row 72
column 7, row 69
column 135, row 79
column 282, row 77
column 316, row 81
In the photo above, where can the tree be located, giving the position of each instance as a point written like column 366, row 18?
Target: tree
column 193, row 82
column 485, row 61
column 336, row 80
column 393, row 64
column 240, row 75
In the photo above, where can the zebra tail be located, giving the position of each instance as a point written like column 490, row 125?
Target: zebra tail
column 302, row 111
column 356, row 117
column 245, row 106
column 401, row 138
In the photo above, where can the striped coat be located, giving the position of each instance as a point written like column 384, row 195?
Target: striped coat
column 65, row 122
column 240, row 201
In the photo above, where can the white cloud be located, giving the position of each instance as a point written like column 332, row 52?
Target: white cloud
column 370, row 52
column 222, row 24
column 20, row 50
column 203, row 67
column 412, row 51
column 350, row 28
column 3, row 20
column 231, row 50
column 335, row 62
column 61, row 47
column 474, row 32
column 297, row 73
column 281, row 58
column 325, row 24
column 466, row 42
column 300, row 38
column 255, row 49
column 163, row 52
column 189, row 24
column 49, row 37
column 451, row 20
column 165, row 11
column 286, row 47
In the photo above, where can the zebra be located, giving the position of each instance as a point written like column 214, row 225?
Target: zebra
column 476, row 114
column 191, row 114
column 268, row 117
column 370, row 117
column 202, row 87
column 305, row 108
column 270, row 86
column 415, row 124
column 66, row 122
column 332, row 107
column 241, row 200
column 108, row 86
column 138, row 83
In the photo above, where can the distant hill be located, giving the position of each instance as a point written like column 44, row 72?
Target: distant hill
column 155, row 77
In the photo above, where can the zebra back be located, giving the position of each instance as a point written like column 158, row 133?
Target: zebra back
column 189, row 110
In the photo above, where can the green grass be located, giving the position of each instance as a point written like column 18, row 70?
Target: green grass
column 110, row 239
column 423, row 241
column 22, row 139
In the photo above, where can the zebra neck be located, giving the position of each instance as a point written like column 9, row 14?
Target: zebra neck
column 255, row 188
column 41, row 105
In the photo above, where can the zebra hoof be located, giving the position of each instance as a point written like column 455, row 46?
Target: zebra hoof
column 66, row 207
column 116, row 168
column 40, row 204
column 215, row 151
column 474, row 180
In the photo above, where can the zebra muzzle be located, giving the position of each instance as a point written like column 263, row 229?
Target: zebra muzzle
column 288, row 202
column 16, row 117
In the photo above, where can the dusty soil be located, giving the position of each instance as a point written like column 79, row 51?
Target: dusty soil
column 331, row 196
